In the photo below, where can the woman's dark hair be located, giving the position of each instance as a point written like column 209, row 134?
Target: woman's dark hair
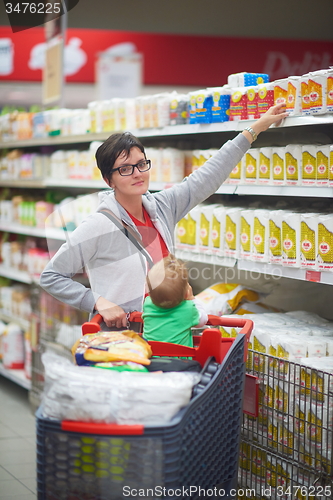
column 109, row 151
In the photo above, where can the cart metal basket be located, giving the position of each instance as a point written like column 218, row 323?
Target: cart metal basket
column 286, row 451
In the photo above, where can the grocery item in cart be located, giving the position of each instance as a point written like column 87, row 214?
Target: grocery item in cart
column 84, row 393
column 112, row 346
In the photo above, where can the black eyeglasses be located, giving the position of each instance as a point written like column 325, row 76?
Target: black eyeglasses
column 142, row 166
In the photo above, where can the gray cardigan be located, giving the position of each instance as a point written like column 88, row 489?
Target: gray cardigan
column 116, row 269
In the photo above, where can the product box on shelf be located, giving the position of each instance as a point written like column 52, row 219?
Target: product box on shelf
column 246, row 234
column 59, row 165
column 221, row 103
column 139, row 112
column 322, row 163
column 251, row 166
column 39, row 125
column 325, row 242
column 260, row 241
column 305, row 93
column 294, row 98
column 147, row 111
column 107, row 116
column 193, row 227
column 265, row 166
column 245, row 79
column 317, row 84
column 281, row 91
column 235, row 175
column 217, row 237
column 205, row 230
column 127, row 118
column 330, row 175
column 293, row 164
column 181, row 233
column 309, row 240
column 278, row 164
column 329, row 100
column 252, row 102
column 188, row 158
column 43, row 210
column 265, row 97
column 13, row 347
column 192, row 107
column 232, row 230
column 204, row 103
column 161, row 110
column 155, row 156
column 238, row 104
column 309, row 165
column 173, row 165
column 291, row 223
column 179, row 104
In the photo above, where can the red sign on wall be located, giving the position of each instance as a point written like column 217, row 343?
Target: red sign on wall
column 168, row 59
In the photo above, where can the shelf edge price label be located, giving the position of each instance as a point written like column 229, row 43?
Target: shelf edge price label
column 313, row 276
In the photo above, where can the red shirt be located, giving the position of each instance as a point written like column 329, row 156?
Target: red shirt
column 151, row 238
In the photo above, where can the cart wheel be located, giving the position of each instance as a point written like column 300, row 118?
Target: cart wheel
column 207, row 373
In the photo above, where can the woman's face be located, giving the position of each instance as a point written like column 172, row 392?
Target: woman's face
column 130, row 185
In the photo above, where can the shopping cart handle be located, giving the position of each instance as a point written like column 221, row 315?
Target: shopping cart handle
column 94, row 325
column 246, row 326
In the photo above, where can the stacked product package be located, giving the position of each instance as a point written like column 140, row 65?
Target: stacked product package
column 290, row 165
column 245, row 96
column 279, row 237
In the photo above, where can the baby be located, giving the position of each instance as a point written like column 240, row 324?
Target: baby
column 171, row 310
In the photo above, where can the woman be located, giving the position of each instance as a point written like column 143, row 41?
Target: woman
column 111, row 243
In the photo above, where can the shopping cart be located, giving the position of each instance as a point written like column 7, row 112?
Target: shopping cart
column 195, row 455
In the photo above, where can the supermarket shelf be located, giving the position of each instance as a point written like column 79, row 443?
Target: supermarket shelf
column 241, row 189
column 92, row 184
column 257, row 267
column 15, row 274
column 158, row 186
column 286, row 272
column 76, row 183
column 55, row 140
column 46, row 183
column 169, row 130
column 23, row 183
column 8, row 318
column 296, row 191
column 205, row 258
column 51, row 233
column 227, row 189
column 16, row 376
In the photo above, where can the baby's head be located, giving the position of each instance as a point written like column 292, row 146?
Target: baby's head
column 167, row 282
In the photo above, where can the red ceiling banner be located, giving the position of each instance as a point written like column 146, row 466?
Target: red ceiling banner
column 168, row 59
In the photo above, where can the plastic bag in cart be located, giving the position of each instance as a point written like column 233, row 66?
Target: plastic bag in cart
column 89, row 394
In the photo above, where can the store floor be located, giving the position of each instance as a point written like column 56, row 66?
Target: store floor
column 17, row 443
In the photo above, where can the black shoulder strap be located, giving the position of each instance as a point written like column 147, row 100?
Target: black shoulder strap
column 120, row 225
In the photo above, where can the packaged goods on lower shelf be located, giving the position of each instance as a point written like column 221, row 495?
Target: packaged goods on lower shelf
column 223, row 298
column 13, row 347
column 15, row 301
column 93, row 394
